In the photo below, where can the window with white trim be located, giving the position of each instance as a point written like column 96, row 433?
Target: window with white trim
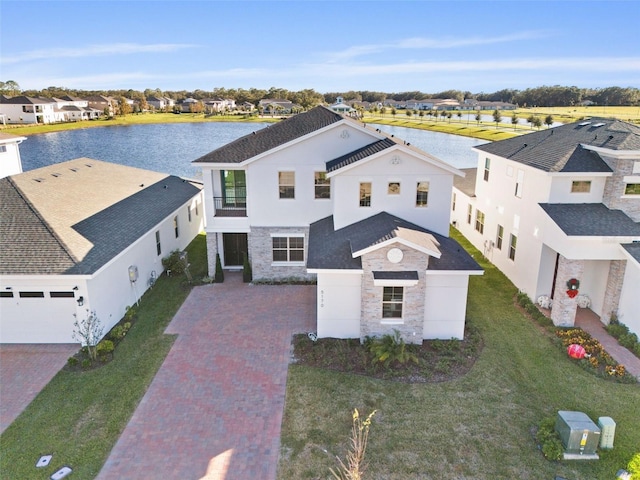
column 392, row 302
column 487, row 167
column 632, row 189
column 453, row 203
column 469, row 213
column 422, row 194
column 393, row 188
column 499, row 237
column 479, row 221
column 189, row 212
column 513, row 241
column 3, row 148
column 322, row 185
column 175, row 226
column 287, row 184
column 288, row 249
column 158, row 245
column 580, row 186
column 519, row 182
column 365, row 194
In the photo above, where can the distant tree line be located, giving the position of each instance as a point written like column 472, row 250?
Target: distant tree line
column 545, row 96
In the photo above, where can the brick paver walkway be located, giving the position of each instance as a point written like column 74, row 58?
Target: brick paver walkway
column 214, row 409
column 24, row 371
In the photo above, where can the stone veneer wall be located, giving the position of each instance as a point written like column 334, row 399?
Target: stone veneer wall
column 414, row 297
column 212, row 249
column 613, row 290
column 563, row 313
column 614, row 188
column 261, row 254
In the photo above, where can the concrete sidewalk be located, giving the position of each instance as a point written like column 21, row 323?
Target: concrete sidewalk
column 214, row 409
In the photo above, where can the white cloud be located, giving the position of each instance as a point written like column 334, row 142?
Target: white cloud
column 93, row 50
column 432, row 43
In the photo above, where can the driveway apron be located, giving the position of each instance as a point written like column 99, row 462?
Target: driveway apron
column 214, row 409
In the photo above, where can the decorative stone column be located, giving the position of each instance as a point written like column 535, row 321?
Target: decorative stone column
column 563, row 313
column 613, row 290
column 212, row 249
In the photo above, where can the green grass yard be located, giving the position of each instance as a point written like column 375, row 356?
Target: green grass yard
column 476, row 427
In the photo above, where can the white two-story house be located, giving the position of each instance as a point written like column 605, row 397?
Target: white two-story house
column 321, row 196
column 10, row 161
column 560, row 205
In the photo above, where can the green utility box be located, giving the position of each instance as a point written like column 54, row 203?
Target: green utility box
column 608, row 429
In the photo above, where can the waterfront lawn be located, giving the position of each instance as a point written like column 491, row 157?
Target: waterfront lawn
column 479, row 426
column 79, row 416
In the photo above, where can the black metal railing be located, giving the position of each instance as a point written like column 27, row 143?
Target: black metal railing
column 230, row 206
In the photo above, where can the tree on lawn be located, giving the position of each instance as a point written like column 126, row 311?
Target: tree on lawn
column 478, row 117
column 88, row 332
column 537, row 122
column 497, row 117
column 514, row 121
column 459, row 114
column 123, row 106
column 548, row 121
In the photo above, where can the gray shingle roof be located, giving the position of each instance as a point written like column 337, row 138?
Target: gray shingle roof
column 466, row 184
column 74, row 217
column 360, row 154
column 633, row 249
column 558, row 149
column 330, row 249
column 591, row 219
column 271, row 137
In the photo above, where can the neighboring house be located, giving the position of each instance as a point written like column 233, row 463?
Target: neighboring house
column 76, row 109
column 561, row 204
column 10, row 161
column 102, row 103
column 188, row 105
column 85, row 235
column 272, row 106
column 340, row 106
column 219, row 105
column 321, row 196
column 22, row 109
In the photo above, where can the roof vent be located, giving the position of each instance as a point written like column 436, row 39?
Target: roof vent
column 55, row 175
column 598, row 124
column 584, row 123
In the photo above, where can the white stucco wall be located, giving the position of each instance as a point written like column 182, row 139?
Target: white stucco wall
column 594, row 283
column 394, row 166
column 560, row 188
column 629, row 307
column 445, row 306
column 338, row 307
column 10, row 162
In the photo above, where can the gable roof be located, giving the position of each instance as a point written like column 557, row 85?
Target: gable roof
column 591, row 219
column 633, row 249
column 359, row 154
column 74, row 217
column 24, row 100
column 331, row 249
column 273, row 136
column 8, row 138
column 466, row 184
column 560, row 149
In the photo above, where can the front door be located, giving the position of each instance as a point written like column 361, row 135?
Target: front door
column 235, row 247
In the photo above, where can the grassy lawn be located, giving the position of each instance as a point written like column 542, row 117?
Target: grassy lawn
column 478, row 426
column 79, row 416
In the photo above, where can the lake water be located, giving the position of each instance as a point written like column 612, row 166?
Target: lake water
column 170, row 148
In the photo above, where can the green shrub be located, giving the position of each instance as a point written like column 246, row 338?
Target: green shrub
column 219, row 275
column 549, row 440
column 247, row 275
column 391, row 348
column 105, row 346
column 119, row 331
column 130, row 313
column 72, row 361
column 616, row 329
column 86, row 363
column 174, row 263
column 628, row 340
column 523, row 299
column 634, row 467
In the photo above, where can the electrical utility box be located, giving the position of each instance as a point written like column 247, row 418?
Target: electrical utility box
column 608, row 431
column 578, row 433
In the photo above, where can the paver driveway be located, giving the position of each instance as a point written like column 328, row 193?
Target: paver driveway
column 215, row 407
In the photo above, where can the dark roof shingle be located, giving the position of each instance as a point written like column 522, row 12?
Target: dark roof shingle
column 559, row 149
column 591, row 219
column 275, row 135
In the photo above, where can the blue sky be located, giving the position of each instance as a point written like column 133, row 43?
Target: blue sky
column 389, row 46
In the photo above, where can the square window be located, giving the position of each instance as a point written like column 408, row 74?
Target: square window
column 365, row 194
column 392, row 302
column 322, row 185
column 286, row 184
column 580, row 186
column 393, row 188
column 422, row 194
column 288, row 249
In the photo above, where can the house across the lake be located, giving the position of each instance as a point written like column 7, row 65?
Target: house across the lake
column 558, row 211
column 86, row 235
column 320, row 196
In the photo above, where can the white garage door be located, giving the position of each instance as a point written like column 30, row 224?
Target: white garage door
column 30, row 316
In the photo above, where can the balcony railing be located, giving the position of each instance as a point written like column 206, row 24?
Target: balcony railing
column 230, row 206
